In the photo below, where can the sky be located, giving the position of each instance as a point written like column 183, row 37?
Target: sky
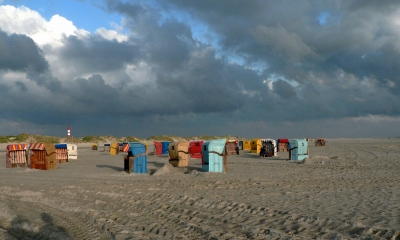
column 253, row 69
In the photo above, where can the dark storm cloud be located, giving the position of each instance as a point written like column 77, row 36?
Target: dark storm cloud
column 206, row 84
column 21, row 86
column 80, row 99
column 19, row 102
column 276, row 31
column 190, row 69
column 284, row 89
column 94, row 94
column 97, row 54
column 4, row 89
column 47, row 80
column 95, row 84
column 168, row 45
column 288, row 61
column 309, row 42
column 20, row 53
column 337, row 60
column 388, row 7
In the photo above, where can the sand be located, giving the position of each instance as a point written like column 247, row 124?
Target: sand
column 348, row 189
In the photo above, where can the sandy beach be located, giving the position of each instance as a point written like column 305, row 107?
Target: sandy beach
column 348, row 189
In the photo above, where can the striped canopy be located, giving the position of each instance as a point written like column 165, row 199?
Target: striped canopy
column 37, row 146
column 125, row 147
column 15, row 147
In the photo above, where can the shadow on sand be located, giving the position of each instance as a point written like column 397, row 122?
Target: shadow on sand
column 23, row 229
column 119, row 169
column 258, row 157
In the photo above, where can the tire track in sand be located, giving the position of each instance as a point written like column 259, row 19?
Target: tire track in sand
column 49, row 222
column 195, row 218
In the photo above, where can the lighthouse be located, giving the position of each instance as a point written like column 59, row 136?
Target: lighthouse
column 69, row 132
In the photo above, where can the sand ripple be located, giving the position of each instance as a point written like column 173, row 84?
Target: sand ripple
column 345, row 190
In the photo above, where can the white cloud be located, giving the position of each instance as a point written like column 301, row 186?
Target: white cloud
column 270, row 84
column 390, row 83
column 23, row 20
column 11, row 77
column 247, row 92
column 111, row 35
column 20, row 20
column 59, row 26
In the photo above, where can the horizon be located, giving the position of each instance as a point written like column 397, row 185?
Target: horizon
column 207, row 136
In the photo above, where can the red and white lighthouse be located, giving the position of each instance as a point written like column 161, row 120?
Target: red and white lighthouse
column 69, row 131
